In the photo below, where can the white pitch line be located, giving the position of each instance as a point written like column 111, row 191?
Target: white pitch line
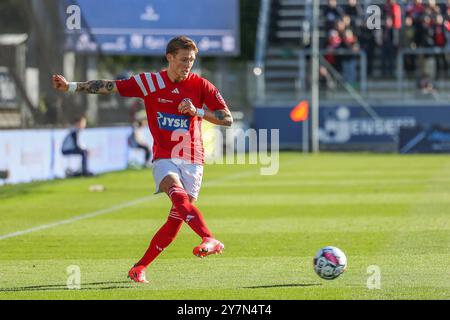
column 76, row 218
column 124, row 205
column 111, row 209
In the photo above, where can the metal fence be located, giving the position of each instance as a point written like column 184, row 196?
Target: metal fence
column 418, row 54
column 403, row 86
column 360, row 55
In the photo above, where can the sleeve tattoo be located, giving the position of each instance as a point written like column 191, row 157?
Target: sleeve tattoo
column 224, row 116
column 96, row 86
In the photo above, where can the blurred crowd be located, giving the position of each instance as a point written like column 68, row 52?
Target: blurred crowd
column 408, row 24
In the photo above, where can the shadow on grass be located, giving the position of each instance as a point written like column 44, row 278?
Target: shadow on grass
column 284, row 285
column 22, row 189
column 111, row 285
column 84, row 286
column 11, row 191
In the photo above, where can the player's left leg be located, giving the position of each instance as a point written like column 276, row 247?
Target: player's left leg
column 161, row 240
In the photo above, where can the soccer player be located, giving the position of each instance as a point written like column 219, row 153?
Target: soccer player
column 174, row 100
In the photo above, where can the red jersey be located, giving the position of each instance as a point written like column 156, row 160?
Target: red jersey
column 175, row 135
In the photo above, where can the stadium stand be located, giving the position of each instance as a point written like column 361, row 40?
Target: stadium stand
column 413, row 33
column 419, row 41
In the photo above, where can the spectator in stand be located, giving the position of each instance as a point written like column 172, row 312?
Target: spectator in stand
column 428, row 62
column 415, row 10
column 368, row 45
column 440, row 41
column 388, row 49
column 333, row 43
column 347, row 23
column 426, row 86
column 444, row 7
column 350, row 42
column 356, row 14
column 340, row 27
column 418, row 27
column 432, row 9
column 407, row 41
column 332, row 14
column 447, row 34
column 392, row 9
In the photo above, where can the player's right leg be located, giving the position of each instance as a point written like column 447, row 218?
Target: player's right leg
column 192, row 216
column 181, row 182
column 173, row 187
column 207, row 247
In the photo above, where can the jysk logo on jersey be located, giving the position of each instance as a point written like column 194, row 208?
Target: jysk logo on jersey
column 172, row 122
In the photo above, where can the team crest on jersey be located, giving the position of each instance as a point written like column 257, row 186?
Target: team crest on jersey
column 172, row 122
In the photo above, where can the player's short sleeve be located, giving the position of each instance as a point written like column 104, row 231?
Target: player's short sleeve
column 132, row 87
column 212, row 97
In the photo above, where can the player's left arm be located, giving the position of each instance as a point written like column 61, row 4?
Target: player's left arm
column 221, row 117
column 216, row 110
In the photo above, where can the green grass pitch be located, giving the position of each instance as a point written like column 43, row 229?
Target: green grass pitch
column 388, row 211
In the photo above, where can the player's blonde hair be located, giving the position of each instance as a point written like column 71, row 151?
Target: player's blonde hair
column 180, row 42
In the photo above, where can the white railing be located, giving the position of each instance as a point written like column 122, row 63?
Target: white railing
column 261, row 43
column 400, row 73
column 362, row 57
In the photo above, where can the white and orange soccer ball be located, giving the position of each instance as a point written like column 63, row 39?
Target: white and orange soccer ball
column 330, row 263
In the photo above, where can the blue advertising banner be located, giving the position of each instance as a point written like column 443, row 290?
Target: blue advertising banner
column 434, row 139
column 346, row 125
column 142, row 27
column 350, row 124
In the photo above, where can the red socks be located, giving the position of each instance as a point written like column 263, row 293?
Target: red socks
column 165, row 235
column 181, row 209
column 188, row 212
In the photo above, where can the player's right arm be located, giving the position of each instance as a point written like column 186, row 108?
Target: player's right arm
column 94, row 86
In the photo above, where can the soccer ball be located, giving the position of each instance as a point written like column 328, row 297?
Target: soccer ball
column 330, row 263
